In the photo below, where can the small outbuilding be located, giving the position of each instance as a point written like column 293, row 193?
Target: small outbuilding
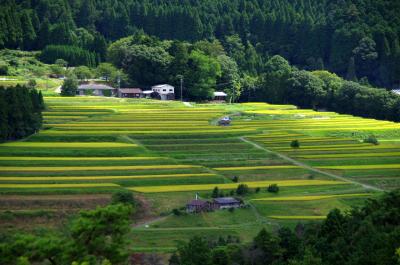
column 130, row 93
column 96, row 90
column 197, row 206
column 148, row 93
column 225, row 121
column 227, row 202
column 220, row 96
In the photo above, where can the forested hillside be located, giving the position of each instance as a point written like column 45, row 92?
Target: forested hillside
column 356, row 39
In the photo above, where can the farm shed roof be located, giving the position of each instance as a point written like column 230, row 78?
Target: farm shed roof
column 95, row 86
column 148, row 92
column 220, row 94
column 226, row 200
column 131, row 90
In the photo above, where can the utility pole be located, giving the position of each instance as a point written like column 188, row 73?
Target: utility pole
column 181, row 79
column 119, row 80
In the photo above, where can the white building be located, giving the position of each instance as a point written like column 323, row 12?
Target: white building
column 220, row 96
column 166, row 92
column 396, row 91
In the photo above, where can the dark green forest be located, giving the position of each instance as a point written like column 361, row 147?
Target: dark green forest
column 356, row 39
column 20, row 112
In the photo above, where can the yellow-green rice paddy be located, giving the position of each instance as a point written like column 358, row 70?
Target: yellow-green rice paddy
column 166, row 152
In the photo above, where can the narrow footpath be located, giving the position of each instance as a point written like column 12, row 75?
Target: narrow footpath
column 300, row 164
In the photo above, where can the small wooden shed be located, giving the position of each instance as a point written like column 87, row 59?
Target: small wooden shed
column 196, row 206
column 227, row 202
column 220, row 96
column 225, row 121
column 130, row 93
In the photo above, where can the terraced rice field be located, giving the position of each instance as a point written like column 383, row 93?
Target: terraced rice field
column 252, row 184
column 167, row 152
column 310, row 198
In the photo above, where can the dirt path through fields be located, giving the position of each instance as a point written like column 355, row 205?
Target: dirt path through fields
column 300, row 164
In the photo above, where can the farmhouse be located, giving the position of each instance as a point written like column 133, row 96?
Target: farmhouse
column 227, row 202
column 166, row 92
column 130, row 93
column 96, row 90
column 220, row 96
column 196, row 206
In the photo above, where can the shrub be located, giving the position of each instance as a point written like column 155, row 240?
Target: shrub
column 257, row 190
column 273, row 188
column 215, row 193
column 231, row 210
column 61, row 62
column 235, row 179
column 295, row 144
column 107, row 93
column 371, row 140
column 242, row 189
column 3, row 69
column 123, row 196
column 31, row 83
column 88, row 92
column 57, row 70
column 176, row 212
column 69, row 88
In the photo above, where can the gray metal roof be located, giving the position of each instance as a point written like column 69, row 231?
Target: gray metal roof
column 130, row 90
column 95, row 86
column 226, row 200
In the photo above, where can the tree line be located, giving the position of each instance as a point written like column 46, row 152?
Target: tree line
column 365, row 236
column 283, row 83
column 20, row 112
column 356, row 39
column 75, row 56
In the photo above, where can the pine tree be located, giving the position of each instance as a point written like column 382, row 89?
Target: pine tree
column 351, row 70
column 15, row 115
column 86, row 14
column 44, row 35
column 3, row 116
column 29, row 34
column 215, row 193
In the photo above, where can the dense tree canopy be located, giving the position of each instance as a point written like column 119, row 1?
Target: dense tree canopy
column 282, row 83
column 93, row 237
column 20, row 112
column 353, row 38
